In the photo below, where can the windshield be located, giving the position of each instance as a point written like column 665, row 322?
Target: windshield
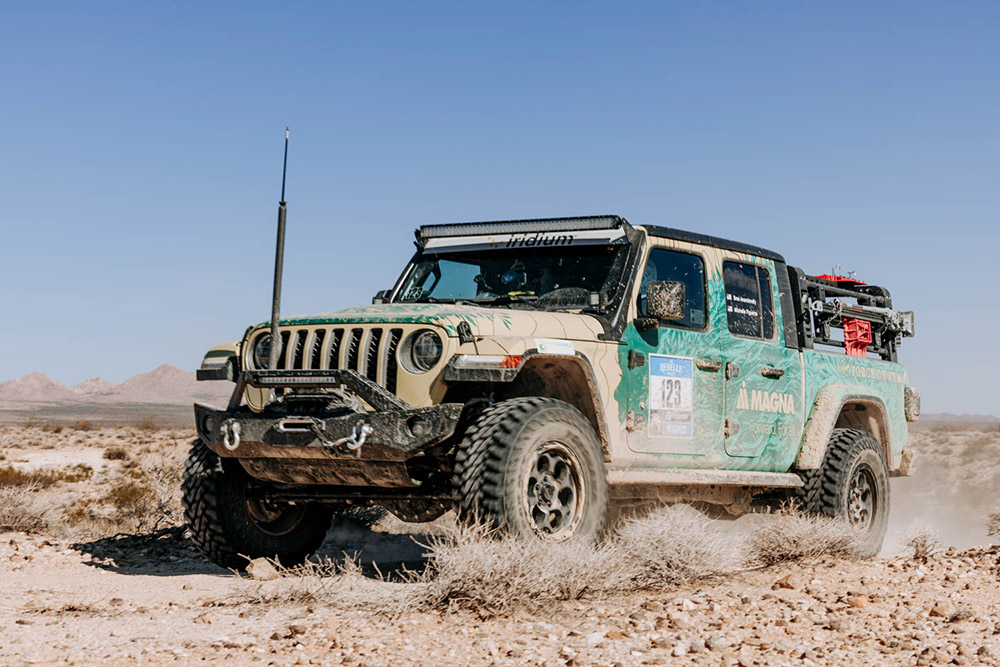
column 565, row 277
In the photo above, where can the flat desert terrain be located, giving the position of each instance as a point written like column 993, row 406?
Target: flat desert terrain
column 96, row 569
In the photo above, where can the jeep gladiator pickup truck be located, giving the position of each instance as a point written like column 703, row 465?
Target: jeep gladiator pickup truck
column 528, row 372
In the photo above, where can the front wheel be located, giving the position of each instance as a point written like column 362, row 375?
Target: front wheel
column 231, row 527
column 852, row 484
column 533, row 467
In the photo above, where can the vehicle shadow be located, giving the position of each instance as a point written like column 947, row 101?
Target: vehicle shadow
column 388, row 550
column 165, row 552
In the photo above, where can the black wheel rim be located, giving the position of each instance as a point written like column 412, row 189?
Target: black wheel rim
column 554, row 493
column 273, row 518
column 862, row 498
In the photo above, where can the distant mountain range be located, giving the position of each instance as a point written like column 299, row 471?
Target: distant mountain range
column 166, row 385
column 949, row 417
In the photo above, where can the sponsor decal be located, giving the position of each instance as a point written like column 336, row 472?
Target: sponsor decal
column 553, row 346
column 538, row 239
column 765, row 401
column 767, row 428
column 869, row 373
column 671, row 396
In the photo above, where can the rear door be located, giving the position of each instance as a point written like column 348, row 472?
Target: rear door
column 763, row 393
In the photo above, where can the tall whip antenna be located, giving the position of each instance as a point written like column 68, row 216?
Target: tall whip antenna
column 279, row 260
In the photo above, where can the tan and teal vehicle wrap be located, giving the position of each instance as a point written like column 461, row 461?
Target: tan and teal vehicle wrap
column 696, row 370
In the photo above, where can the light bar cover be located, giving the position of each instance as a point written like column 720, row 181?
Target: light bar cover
column 541, row 225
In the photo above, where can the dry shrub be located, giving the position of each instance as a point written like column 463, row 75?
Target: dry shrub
column 790, row 535
column 145, row 496
column 923, row 542
column 83, row 425
column 44, row 477
column 147, row 424
column 23, row 509
column 993, row 523
column 142, row 496
column 115, row 453
column 675, row 544
column 43, row 426
column 472, row 567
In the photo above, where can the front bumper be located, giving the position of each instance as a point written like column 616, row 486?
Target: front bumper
column 352, row 449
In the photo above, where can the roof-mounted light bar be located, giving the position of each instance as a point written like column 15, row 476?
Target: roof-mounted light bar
column 541, row 225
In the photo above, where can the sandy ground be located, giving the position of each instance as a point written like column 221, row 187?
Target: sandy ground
column 72, row 597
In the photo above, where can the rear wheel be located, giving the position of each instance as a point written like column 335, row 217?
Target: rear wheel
column 533, row 467
column 231, row 527
column 852, row 484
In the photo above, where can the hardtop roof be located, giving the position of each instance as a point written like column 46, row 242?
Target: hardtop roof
column 426, row 232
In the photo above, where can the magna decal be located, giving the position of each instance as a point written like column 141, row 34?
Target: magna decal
column 765, row 401
column 533, row 240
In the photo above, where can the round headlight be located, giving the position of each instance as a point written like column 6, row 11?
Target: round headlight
column 262, row 352
column 425, row 350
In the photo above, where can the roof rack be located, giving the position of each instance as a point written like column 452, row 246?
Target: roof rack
column 869, row 323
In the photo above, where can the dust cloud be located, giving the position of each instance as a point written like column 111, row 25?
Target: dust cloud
column 955, row 485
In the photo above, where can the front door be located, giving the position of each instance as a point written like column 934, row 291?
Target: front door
column 762, row 397
column 674, row 372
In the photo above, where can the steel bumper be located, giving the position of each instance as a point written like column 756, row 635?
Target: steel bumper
column 355, row 449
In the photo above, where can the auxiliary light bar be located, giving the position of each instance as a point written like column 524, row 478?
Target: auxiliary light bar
column 519, row 226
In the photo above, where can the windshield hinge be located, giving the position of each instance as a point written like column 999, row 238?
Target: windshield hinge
column 465, row 332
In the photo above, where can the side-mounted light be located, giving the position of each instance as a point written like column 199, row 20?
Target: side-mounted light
column 495, row 361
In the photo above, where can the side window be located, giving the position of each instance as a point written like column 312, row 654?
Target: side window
column 749, row 306
column 689, row 269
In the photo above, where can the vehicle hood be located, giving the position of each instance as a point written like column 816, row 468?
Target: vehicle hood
column 482, row 321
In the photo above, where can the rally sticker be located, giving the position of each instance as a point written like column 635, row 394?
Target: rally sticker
column 671, row 392
column 554, row 346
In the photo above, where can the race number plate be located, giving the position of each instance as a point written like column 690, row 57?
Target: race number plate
column 671, row 402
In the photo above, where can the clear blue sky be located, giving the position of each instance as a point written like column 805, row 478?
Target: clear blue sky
column 141, row 147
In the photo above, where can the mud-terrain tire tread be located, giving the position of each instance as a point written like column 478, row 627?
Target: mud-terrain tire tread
column 202, row 496
column 478, row 479
column 822, row 487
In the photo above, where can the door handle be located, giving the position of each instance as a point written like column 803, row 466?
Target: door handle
column 771, row 372
column 709, row 365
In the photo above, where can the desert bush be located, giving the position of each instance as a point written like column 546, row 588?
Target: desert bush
column 83, row 425
column 115, row 453
column 147, row 424
column 42, row 425
column 146, row 495
column 23, row 509
column 472, row 566
column 44, row 477
column 675, row 544
column 790, row 535
column 923, row 542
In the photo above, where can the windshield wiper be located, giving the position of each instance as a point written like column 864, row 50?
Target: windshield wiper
column 507, row 299
column 449, row 300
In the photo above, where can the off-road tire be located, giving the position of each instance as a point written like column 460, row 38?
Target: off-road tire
column 827, row 490
column 496, row 461
column 219, row 517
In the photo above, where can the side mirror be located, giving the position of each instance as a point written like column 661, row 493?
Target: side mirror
column 381, row 296
column 665, row 300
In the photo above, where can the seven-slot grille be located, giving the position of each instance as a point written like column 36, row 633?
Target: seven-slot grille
column 370, row 351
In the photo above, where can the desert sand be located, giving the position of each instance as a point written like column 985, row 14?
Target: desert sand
column 96, row 568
